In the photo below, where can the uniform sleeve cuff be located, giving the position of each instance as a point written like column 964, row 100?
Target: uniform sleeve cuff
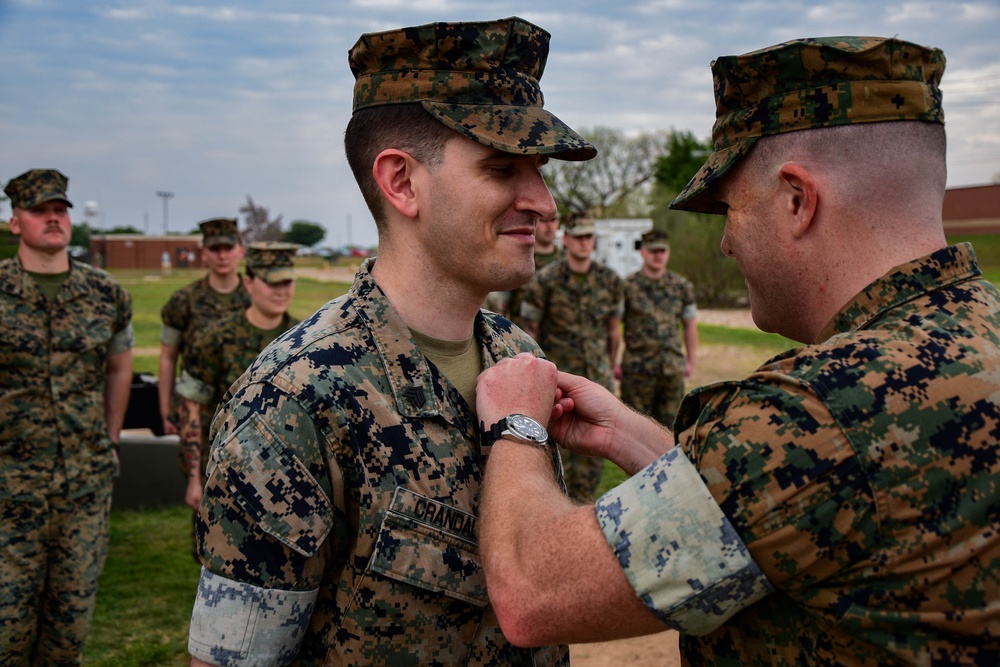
column 193, row 389
column 679, row 551
column 240, row 625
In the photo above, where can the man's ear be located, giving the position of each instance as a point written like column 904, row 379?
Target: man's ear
column 800, row 196
column 393, row 171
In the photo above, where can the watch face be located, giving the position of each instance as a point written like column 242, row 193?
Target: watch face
column 527, row 427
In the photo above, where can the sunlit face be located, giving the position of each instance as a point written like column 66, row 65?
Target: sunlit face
column 43, row 228
column 481, row 206
column 222, row 259
column 271, row 299
column 579, row 247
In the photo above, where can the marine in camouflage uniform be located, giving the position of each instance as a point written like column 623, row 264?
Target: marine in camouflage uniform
column 575, row 317
column 64, row 350
column 854, row 479
column 340, row 509
column 194, row 307
column 657, row 309
column 223, row 352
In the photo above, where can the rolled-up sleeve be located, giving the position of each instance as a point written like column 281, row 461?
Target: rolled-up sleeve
column 239, row 625
column 681, row 554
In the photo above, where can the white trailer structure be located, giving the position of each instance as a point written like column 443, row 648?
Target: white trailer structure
column 618, row 243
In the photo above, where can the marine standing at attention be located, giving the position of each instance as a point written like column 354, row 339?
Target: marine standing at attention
column 65, row 374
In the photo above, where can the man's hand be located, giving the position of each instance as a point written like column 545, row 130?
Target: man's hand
column 524, row 384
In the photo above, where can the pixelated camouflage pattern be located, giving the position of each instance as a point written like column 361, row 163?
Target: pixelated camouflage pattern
column 513, row 312
column 654, row 358
column 272, row 262
column 653, row 333
column 481, row 79
column 677, row 548
column 572, row 318
column 217, row 360
column 37, row 186
column 219, row 231
column 578, row 223
column 655, row 239
column 44, row 620
column 862, row 473
column 811, row 83
column 53, row 438
column 572, row 322
column 345, row 463
column 194, row 307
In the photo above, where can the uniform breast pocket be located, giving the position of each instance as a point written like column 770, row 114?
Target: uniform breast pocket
column 423, row 592
column 430, row 545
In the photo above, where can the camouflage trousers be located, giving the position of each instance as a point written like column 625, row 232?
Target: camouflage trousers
column 658, row 396
column 582, row 475
column 51, row 556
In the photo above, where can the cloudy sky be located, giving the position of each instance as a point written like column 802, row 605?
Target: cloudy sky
column 214, row 101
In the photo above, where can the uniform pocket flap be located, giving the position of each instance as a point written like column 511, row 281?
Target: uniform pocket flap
column 432, row 545
column 274, row 488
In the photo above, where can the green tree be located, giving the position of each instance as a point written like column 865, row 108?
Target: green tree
column 80, row 235
column 695, row 238
column 304, row 233
column 126, row 229
column 683, row 158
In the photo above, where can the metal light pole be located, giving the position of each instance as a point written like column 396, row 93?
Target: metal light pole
column 165, row 196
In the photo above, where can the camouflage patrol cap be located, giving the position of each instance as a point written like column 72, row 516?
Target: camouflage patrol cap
column 656, row 239
column 37, row 186
column 578, row 223
column 219, row 231
column 272, row 262
column 812, row 83
column 478, row 78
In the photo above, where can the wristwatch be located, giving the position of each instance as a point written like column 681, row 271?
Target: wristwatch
column 517, row 427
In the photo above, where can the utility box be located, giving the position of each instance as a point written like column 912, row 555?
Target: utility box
column 618, row 242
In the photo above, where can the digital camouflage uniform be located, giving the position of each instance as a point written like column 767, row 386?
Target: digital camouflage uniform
column 654, row 359
column 226, row 348
column 861, row 471
column 517, row 295
column 218, row 359
column 572, row 322
column 191, row 309
column 56, row 458
column 341, row 504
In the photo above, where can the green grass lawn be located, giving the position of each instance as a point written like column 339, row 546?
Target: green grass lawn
column 145, row 594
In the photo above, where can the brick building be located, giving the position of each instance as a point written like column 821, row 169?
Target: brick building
column 972, row 210
column 134, row 251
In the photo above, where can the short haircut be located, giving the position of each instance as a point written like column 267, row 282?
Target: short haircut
column 406, row 127
column 864, row 157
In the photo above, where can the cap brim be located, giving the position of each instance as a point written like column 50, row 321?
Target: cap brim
column 699, row 195
column 42, row 200
column 271, row 276
column 525, row 130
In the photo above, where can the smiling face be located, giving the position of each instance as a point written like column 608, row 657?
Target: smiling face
column 481, row 207
column 44, row 228
column 270, row 299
